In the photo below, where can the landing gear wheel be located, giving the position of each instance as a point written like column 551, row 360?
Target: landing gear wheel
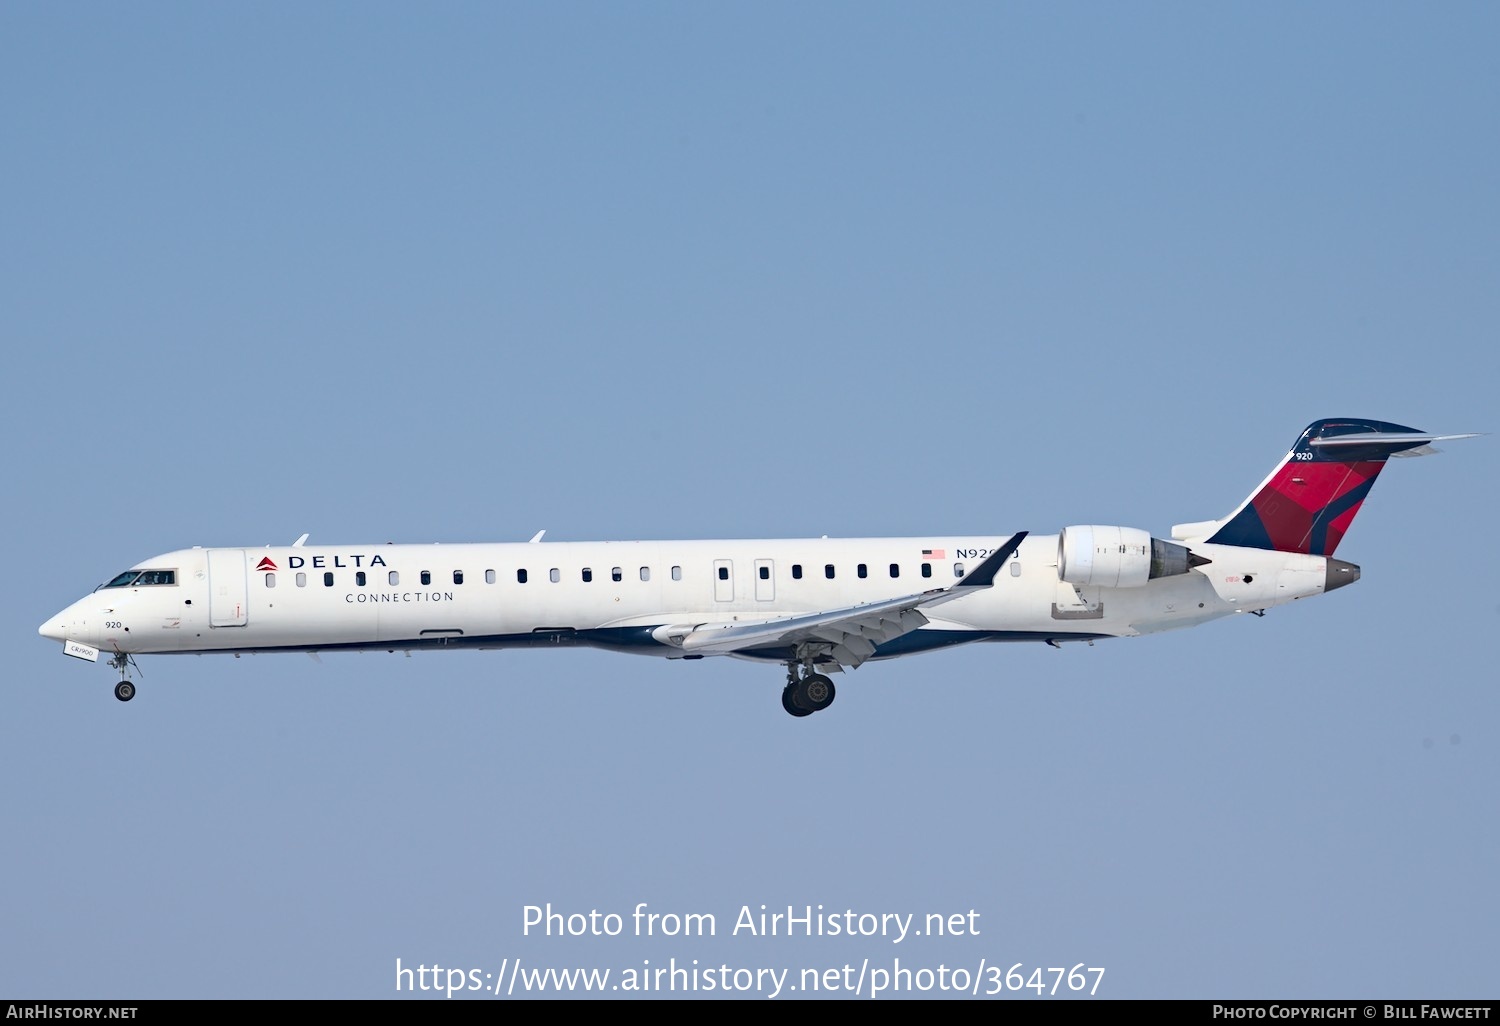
column 814, row 693
column 789, row 703
column 124, row 691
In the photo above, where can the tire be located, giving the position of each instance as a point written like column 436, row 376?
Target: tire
column 816, row 692
column 789, row 702
column 124, row 691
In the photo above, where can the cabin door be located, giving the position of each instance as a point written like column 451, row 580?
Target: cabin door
column 765, row 580
column 723, row 580
column 228, row 588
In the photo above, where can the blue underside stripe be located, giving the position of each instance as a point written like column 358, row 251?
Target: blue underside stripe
column 639, row 640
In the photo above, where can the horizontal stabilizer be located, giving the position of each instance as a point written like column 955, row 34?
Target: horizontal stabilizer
column 1392, row 443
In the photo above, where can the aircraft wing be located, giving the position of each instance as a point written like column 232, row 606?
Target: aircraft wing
column 850, row 634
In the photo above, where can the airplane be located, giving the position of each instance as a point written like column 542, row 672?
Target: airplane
column 815, row 605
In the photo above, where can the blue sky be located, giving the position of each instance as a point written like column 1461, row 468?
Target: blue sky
column 466, row 271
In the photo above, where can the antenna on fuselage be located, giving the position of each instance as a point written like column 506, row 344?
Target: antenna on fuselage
column 538, row 536
column 298, row 543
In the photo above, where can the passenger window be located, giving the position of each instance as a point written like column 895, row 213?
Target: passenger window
column 426, row 576
column 489, row 577
column 723, row 573
column 765, row 573
column 394, row 577
column 458, row 577
column 616, row 574
column 862, row 571
column 828, row 571
column 588, row 575
column 555, row 574
column 520, row 576
column 301, row 579
column 1015, row 568
column 895, row 569
column 958, row 569
column 328, row 578
column 926, row 569
column 677, row 573
column 270, row 580
column 796, row 571
column 645, row 573
column 359, row 578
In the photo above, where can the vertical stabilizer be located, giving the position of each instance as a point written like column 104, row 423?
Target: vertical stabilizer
column 1308, row 502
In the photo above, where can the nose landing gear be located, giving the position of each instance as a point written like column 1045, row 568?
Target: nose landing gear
column 121, row 661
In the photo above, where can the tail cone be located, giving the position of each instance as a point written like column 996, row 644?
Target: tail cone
column 1339, row 574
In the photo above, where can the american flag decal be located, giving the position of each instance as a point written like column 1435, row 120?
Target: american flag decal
column 934, row 553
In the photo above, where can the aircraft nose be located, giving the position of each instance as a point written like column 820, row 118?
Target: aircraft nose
column 55, row 629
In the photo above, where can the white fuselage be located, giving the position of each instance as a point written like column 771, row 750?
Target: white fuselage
column 623, row 595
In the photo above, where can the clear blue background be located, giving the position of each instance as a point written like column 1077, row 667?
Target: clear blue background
column 465, row 271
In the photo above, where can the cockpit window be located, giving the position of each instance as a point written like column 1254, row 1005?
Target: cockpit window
column 143, row 578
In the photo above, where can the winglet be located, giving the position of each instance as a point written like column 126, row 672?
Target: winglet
column 983, row 575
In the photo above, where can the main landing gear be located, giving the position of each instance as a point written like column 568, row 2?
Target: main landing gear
column 121, row 661
column 806, row 692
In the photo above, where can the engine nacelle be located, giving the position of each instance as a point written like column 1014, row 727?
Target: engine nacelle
column 1118, row 557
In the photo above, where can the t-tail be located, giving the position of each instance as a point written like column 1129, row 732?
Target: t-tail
column 1308, row 502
